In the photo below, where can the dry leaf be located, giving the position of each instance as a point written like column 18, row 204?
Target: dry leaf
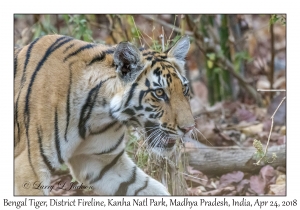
column 243, row 186
column 192, row 171
column 259, row 182
column 279, row 188
column 194, row 191
column 245, row 115
column 221, row 191
column 230, row 178
column 253, row 129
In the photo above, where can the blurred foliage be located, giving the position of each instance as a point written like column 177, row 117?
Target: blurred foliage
column 278, row 19
column 79, row 27
column 136, row 149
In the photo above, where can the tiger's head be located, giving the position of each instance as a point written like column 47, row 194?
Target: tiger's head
column 157, row 95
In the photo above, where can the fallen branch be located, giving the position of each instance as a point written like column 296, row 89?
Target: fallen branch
column 210, row 160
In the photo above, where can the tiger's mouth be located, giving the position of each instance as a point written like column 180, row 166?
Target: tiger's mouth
column 161, row 139
column 170, row 143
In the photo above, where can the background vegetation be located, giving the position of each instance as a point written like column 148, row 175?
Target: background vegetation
column 231, row 57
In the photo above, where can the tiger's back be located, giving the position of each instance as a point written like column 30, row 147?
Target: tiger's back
column 43, row 88
column 72, row 106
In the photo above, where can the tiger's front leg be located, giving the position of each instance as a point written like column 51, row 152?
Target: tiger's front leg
column 114, row 174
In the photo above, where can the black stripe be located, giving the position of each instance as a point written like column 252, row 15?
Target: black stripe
column 26, row 113
column 171, row 67
column 137, row 108
column 142, row 94
column 124, row 185
column 45, row 159
column 148, row 109
column 142, row 188
column 157, row 71
column 107, row 168
column 147, row 83
column 134, row 119
column 163, row 82
column 153, row 96
column 114, row 147
column 70, row 46
column 154, row 106
column 17, row 115
column 153, row 63
column 28, row 53
column 29, row 154
column 131, row 91
column 110, row 51
column 111, row 112
column 157, row 115
column 161, row 113
column 27, row 133
column 57, row 143
column 146, row 53
column 163, row 57
column 169, row 79
column 87, row 108
column 104, row 129
column 129, row 112
column 98, row 58
column 164, row 125
column 18, row 127
column 119, row 127
column 149, row 58
column 85, row 47
column 156, row 84
column 49, row 51
column 16, row 53
column 68, row 105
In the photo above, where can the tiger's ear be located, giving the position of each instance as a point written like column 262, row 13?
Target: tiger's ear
column 180, row 49
column 127, row 59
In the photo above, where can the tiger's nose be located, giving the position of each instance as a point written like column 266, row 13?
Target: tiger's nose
column 187, row 129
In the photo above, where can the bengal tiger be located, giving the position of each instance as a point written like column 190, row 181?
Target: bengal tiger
column 73, row 101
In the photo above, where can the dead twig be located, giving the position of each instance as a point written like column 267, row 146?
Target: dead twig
column 269, row 137
column 270, row 90
column 165, row 24
column 271, row 76
column 162, row 42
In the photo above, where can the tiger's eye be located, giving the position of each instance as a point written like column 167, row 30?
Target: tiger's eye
column 159, row 92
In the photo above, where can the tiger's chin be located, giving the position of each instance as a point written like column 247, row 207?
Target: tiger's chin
column 164, row 143
column 163, row 147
